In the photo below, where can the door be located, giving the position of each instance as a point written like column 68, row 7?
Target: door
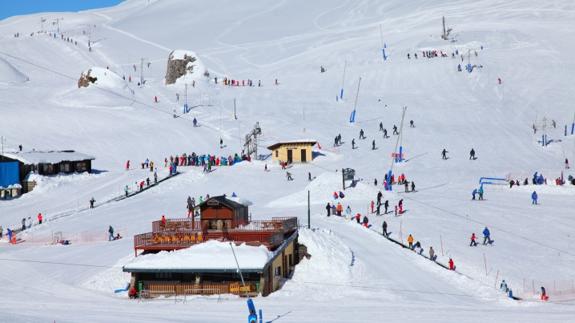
column 289, row 156
column 303, row 155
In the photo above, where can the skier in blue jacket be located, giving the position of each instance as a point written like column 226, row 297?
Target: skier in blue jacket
column 486, row 236
column 473, row 194
column 534, row 198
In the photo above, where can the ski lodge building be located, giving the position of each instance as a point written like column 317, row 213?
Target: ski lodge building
column 296, row 151
column 187, row 256
column 15, row 168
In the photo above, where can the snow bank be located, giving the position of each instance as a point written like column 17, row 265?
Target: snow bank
column 330, row 263
column 110, row 279
column 10, row 74
column 208, row 255
column 322, row 189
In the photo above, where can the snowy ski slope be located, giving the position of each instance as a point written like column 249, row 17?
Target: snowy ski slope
column 354, row 274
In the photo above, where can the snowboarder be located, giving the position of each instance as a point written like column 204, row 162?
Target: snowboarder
column 534, row 198
column 110, row 233
column 451, row 264
column 92, row 201
column 444, row 154
column 472, row 154
column 473, row 242
column 487, row 236
column 288, row 175
column 410, row 241
column 384, row 229
column 432, row 255
column 328, row 209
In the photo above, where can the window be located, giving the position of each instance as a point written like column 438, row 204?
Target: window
column 278, row 271
column 81, row 167
column 277, row 153
column 65, row 168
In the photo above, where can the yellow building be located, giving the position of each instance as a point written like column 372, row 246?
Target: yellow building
column 297, row 151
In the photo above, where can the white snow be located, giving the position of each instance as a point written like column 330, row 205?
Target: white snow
column 528, row 44
column 208, row 255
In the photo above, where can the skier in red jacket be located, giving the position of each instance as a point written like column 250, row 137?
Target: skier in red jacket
column 451, row 264
column 473, row 242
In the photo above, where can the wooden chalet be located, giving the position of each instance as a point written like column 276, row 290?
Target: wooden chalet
column 222, row 220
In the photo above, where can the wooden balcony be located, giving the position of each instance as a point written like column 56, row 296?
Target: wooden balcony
column 155, row 288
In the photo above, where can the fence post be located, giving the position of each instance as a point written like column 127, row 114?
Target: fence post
column 441, row 241
column 401, row 231
column 485, row 263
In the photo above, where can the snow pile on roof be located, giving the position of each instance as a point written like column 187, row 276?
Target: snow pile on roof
column 9, row 73
column 48, row 157
column 209, row 255
column 239, row 200
column 12, row 186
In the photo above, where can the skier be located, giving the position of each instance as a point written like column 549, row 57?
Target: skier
column 411, row 124
column 444, row 154
column 92, row 201
column 503, row 287
column 328, row 209
column 473, row 242
column 353, row 144
column 357, row 218
column 309, row 176
column 487, row 236
column 39, row 222
column 23, row 224
column 361, row 134
column 432, row 255
column 499, row 80
column 110, row 233
column 379, row 196
column 373, row 145
column 480, row 192
column 348, row 210
column 339, row 208
column 566, row 163
column 534, row 198
column 451, row 264
column 128, row 165
column 155, row 178
column 195, row 122
column 155, row 99
column 372, row 206
column 417, row 248
column 29, row 222
column 381, row 126
column 386, row 206
column 412, row 186
column 221, row 143
column 384, row 229
column 472, row 154
column 410, row 241
column 400, row 206
column 395, row 130
column 375, row 182
column 385, row 133
column 288, row 175
column 365, row 221
column 406, row 184
column 473, row 194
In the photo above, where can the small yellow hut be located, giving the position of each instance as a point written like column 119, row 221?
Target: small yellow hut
column 296, row 151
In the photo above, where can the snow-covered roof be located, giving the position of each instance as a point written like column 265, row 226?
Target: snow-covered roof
column 209, row 256
column 48, row 157
column 241, row 200
column 181, row 53
column 289, row 142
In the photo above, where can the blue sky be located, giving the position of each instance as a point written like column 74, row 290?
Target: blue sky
column 10, row 8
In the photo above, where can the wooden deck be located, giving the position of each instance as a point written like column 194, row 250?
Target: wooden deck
column 174, row 288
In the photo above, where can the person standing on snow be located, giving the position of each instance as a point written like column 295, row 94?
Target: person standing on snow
column 432, row 255
column 472, row 154
column 385, row 134
column 487, row 236
column 473, row 242
column 373, row 145
column 395, row 130
column 92, row 201
column 361, row 134
column 339, row 209
column 444, row 154
column 534, row 198
column 410, row 241
column 328, row 209
column 128, row 165
column 473, row 194
column 110, row 233
column 386, row 206
column 381, row 126
column 353, row 144
column 39, row 222
column 451, row 264
column 384, row 229
column 480, row 192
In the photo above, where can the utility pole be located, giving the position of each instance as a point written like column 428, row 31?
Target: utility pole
column 2, row 141
column 444, row 32
column 57, row 22
column 235, row 112
column 186, row 98
column 308, row 212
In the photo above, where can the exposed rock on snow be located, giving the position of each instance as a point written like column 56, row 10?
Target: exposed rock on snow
column 182, row 63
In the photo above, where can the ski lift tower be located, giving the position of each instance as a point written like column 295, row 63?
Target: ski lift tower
column 251, row 141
